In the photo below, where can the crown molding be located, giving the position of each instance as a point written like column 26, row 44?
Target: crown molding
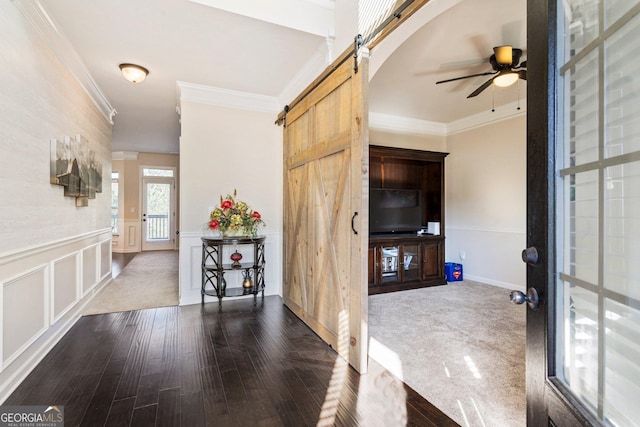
column 124, row 155
column 209, row 95
column 407, row 125
column 503, row 112
column 36, row 14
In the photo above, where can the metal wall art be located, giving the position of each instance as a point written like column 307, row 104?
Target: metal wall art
column 74, row 166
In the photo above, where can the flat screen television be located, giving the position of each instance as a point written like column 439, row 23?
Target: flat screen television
column 394, row 211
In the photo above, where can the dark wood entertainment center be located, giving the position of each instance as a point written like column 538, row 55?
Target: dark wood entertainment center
column 408, row 261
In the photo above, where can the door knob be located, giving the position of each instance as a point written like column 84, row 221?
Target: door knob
column 531, row 298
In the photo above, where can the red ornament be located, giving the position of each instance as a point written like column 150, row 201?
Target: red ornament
column 236, row 257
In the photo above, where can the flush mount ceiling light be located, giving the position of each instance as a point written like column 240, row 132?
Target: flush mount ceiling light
column 506, row 78
column 134, row 73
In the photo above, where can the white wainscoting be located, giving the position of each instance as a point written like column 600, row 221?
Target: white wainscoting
column 43, row 290
column 191, row 262
column 128, row 238
column 492, row 255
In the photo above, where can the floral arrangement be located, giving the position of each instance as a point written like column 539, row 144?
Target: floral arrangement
column 234, row 217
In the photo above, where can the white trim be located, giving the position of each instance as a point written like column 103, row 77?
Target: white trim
column 502, row 112
column 54, row 38
column 496, row 283
column 1, row 330
column 173, row 225
column 52, row 269
column 32, row 260
column 408, row 125
column 124, row 155
column 209, row 95
column 44, row 268
column 38, row 354
column 399, row 124
column 486, row 229
column 101, row 277
column 11, row 256
column 87, row 290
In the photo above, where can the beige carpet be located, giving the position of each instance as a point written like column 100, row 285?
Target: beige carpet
column 461, row 346
column 149, row 280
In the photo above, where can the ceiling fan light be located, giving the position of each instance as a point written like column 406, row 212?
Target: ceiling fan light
column 505, row 79
column 134, row 73
column 504, row 54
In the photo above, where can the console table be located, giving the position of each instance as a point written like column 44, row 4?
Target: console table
column 214, row 267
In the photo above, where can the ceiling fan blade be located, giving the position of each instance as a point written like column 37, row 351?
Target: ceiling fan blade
column 466, row 77
column 523, row 64
column 523, row 74
column 481, row 88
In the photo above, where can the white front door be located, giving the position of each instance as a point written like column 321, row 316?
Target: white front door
column 158, row 214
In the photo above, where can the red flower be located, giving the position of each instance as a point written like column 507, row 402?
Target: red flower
column 214, row 224
column 226, row 204
column 256, row 215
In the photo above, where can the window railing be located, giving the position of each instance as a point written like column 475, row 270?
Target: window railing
column 158, row 227
column 114, row 223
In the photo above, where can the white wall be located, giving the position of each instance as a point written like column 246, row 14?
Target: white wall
column 222, row 149
column 485, row 187
column 53, row 255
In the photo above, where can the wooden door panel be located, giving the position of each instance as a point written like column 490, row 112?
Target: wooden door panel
column 296, row 244
column 323, row 281
column 331, row 237
column 332, row 122
column 299, row 135
column 432, row 257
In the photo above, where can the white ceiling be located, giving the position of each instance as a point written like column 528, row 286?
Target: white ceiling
column 200, row 42
column 456, row 43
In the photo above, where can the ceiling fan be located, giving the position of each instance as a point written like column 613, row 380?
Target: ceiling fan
column 506, row 70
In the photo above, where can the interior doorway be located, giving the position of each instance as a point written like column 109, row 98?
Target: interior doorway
column 439, row 329
column 158, row 209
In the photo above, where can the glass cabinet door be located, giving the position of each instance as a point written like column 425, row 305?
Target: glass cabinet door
column 390, row 264
column 410, row 262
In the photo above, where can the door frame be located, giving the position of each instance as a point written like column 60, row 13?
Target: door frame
column 145, row 246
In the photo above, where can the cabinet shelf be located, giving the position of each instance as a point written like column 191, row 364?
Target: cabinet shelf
column 229, row 267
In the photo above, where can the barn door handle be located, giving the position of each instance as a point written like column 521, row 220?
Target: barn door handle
column 353, row 218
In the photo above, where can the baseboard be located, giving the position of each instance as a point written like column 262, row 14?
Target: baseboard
column 124, row 251
column 496, row 283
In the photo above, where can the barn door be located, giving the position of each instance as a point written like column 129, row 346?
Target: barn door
column 326, row 207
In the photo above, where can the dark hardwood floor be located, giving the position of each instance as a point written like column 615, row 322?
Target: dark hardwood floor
column 233, row 364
